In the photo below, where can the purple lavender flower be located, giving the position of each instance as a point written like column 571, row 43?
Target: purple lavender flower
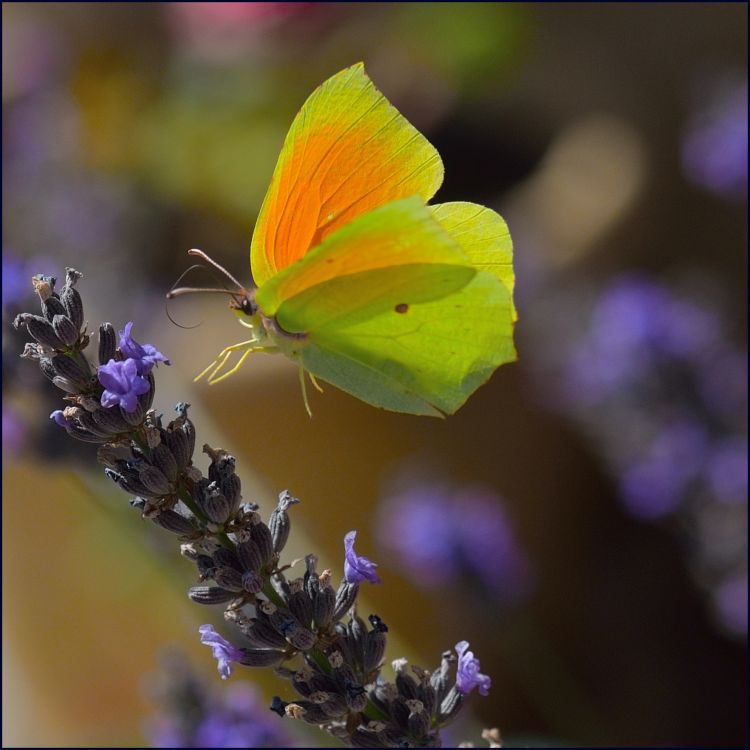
column 145, row 355
column 223, row 651
column 356, row 568
column 122, row 384
column 59, row 418
column 714, row 151
column 468, row 675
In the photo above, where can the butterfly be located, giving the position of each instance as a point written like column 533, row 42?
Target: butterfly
column 405, row 305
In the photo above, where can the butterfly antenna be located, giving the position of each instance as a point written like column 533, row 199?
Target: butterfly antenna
column 205, row 257
column 176, row 291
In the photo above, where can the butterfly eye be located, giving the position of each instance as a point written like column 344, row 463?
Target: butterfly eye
column 248, row 306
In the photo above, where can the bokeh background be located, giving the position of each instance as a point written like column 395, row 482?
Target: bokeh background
column 582, row 521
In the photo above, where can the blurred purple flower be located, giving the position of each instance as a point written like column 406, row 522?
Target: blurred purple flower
column 192, row 713
column 661, row 390
column 727, row 470
column 732, row 604
column 714, row 149
column 14, row 430
column 655, row 486
column 356, row 568
column 468, row 675
column 16, row 280
column 144, row 355
column 223, row 651
column 241, row 720
column 122, row 384
column 438, row 534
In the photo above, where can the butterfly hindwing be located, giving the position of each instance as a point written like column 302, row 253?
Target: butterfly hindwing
column 410, row 326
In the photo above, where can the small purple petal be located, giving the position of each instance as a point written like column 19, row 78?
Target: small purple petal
column 468, row 675
column 122, row 384
column 144, row 355
column 223, row 651
column 59, row 418
column 357, row 569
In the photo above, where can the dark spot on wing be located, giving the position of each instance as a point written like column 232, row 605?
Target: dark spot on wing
column 402, row 307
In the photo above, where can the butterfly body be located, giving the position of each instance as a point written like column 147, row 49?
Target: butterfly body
column 404, row 305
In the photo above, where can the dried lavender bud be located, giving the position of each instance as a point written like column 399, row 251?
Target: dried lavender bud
column 31, row 350
column 47, row 368
column 44, row 286
column 65, row 330
column 252, row 582
column 440, row 678
column 301, row 607
column 450, row 705
column 226, row 558
column 111, row 420
column 250, row 556
column 87, row 421
column 72, row 371
column 228, row 578
column 162, row 459
column 179, row 445
column 255, row 657
column 134, row 418
column 419, row 719
column 311, row 580
column 154, row 480
column 279, row 521
column 127, row 479
column 323, row 606
column 52, row 306
column 89, row 404
column 175, row 522
column 362, row 738
column 206, row 567
column 300, row 637
column 65, row 385
column 374, row 650
column 345, row 598
column 406, row 685
column 107, row 343
column 210, row 595
column 261, row 535
column 261, row 633
column 71, row 298
column 356, row 696
column 40, row 329
column 215, row 505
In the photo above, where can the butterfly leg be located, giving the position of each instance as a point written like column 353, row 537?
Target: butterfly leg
column 304, row 391
column 221, row 358
column 248, row 351
column 314, row 381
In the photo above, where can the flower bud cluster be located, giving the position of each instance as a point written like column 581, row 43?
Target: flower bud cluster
column 303, row 627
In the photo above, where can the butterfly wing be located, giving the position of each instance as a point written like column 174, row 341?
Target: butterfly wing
column 405, row 322
column 483, row 235
column 347, row 152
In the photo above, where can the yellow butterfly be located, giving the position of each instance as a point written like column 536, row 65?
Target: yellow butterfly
column 406, row 306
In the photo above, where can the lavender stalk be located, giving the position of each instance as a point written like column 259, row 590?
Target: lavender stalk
column 309, row 632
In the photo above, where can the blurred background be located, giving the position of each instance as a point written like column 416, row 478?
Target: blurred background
column 582, row 521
